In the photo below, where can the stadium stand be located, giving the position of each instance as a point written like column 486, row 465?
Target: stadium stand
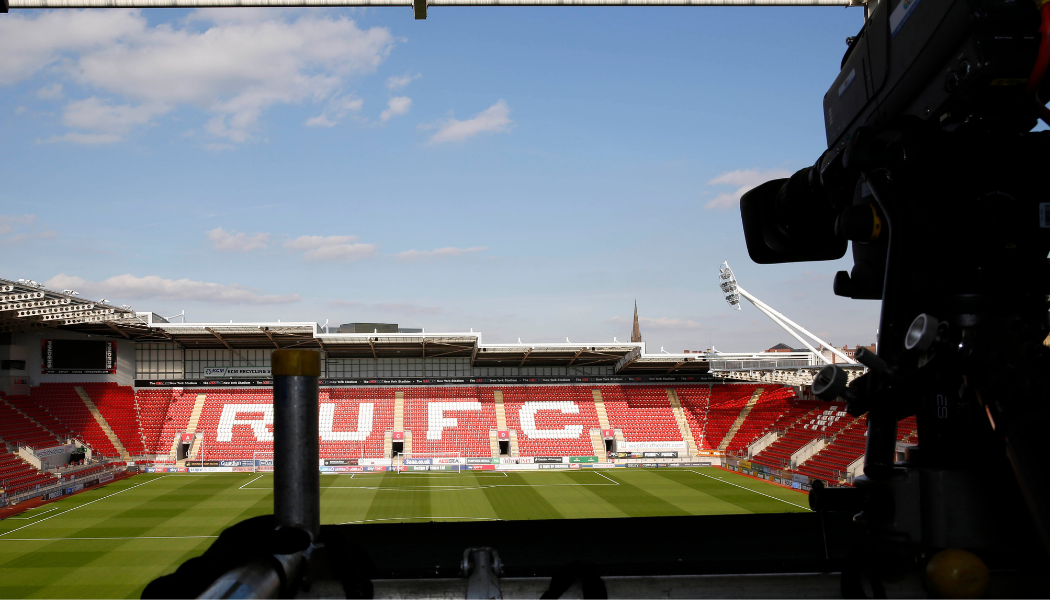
column 163, row 415
column 846, row 440
column 724, row 407
column 62, row 401
column 642, row 412
column 16, row 428
column 773, row 402
column 16, row 475
column 549, row 420
column 117, row 405
column 449, row 419
column 41, row 415
column 695, row 401
column 236, row 423
column 792, row 435
column 359, row 420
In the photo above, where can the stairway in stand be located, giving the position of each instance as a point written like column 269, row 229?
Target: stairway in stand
column 113, row 439
column 683, row 425
column 191, row 427
column 740, row 420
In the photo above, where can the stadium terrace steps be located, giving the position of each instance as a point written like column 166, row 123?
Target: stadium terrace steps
column 501, row 411
column 195, row 416
column 106, row 429
column 598, row 444
column 514, row 443
column 599, row 409
column 494, row 443
column 728, row 439
column 683, row 425
column 399, row 411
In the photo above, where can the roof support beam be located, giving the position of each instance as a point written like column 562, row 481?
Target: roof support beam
column 117, row 329
column 424, row 348
column 173, row 340
column 227, row 344
column 524, row 358
column 679, row 364
column 372, row 345
column 270, row 335
column 575, row 356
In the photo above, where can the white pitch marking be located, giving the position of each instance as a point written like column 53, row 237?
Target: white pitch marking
column 749, row 489
column 82, row 505
column 33, row 516
column 249, row 483
column 139, row 537
column 420, row 488
column 421, row 518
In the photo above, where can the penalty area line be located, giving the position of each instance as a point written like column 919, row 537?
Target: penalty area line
column 750, row 490
column 82, row 505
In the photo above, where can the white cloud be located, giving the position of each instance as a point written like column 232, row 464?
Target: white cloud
column 235, row 241
column 410, row 255
column 661, row 323
column 337, row 248
column 8, row 223
column 233, row 67
column 396, row 106
column 50, row 91
column 494, row 119
column 397, row 82
column 155, row 287
column 95, row 115
column 336, row 110
column 86, row 139
column 13, row 230
column 744, row 180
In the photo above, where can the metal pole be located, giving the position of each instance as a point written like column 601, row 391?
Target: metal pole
column 297, row 480
column 759, row 303
column 761, row 308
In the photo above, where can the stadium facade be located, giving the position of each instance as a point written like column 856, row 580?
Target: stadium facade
column 130, row 387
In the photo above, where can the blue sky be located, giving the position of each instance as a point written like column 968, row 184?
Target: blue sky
column 525, row 172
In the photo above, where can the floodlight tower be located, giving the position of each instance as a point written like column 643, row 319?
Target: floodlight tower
column 733, row 292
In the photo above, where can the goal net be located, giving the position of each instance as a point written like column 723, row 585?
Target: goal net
column 263, row 462
column 449, row 463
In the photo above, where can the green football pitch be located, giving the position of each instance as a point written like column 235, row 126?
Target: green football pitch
column 110, row 542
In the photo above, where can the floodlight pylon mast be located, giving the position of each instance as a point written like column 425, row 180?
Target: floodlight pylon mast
column 733, row 293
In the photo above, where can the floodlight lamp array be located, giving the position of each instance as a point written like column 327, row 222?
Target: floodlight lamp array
column 727, row 281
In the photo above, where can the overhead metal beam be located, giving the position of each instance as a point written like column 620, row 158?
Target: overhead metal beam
column 575, row 356
column 372, row 345
column 524, row 358
column 270, row 335
column 117, row 329
column 674, row 368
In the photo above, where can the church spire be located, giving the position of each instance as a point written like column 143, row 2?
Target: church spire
column 636, row 333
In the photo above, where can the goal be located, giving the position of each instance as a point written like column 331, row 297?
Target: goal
column 447, row 463
column 263, row 462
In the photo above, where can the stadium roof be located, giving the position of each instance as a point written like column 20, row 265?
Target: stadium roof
column 27, row 305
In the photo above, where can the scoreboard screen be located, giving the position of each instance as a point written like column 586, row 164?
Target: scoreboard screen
column 79, row 357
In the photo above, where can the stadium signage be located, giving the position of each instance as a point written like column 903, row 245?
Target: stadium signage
column 583, row 459
column 424, row 381
column 503, row 435
column 553, row 466
column 659, row 455
column 254, row 372
column 608, row 434
column 695, row 464
column 66, row 449
column 663, row 445
column 548, row 459
column 339, row 461
column 482, row 461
